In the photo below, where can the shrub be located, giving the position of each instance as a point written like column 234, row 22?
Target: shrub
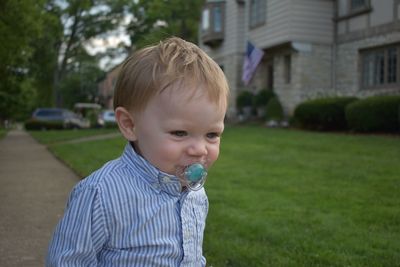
column 374, row 114
column 244, row 99
column 262, row 97
column 92, row 115
column 110, row 125
column 43, row 125
column 323, row 114
column 274, row 110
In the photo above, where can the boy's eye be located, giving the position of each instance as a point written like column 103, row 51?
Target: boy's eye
column 213, row 135
column 178, row 133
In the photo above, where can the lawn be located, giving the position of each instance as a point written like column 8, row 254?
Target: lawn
column 3, row 133
column 291, row 198
column 55, row 136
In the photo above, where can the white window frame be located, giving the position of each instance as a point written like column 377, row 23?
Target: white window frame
column 380, row 67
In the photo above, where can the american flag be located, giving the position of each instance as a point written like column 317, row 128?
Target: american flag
column 252, row 58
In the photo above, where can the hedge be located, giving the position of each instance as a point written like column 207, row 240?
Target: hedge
column 323, row 114
column 43, row 125
column 262, row 97
column 274, row 110
column 374, row 114
column 244, row 99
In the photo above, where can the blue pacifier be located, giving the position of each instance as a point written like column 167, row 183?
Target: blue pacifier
column 195, row 176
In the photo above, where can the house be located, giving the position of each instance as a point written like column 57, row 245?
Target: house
column 312, row 48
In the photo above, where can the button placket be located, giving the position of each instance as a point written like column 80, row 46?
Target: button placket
column 166, row 179
column 191, row 236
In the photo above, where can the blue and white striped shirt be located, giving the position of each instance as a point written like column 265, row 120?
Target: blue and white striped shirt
column 128, row 213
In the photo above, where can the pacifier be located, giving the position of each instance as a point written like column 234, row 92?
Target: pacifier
column 193, row 176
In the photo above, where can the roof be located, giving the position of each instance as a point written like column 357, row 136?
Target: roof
column 87, row 105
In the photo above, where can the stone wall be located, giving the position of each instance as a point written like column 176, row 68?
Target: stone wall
column 310, row 75
column 232, row 65
column 348, row 65
column 321, row 71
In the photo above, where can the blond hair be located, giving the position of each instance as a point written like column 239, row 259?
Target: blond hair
column 173, row 61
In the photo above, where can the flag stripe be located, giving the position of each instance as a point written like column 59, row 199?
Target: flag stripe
column 252, row 59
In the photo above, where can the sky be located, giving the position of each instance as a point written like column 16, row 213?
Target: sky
column 100, row 45
column 110, row 40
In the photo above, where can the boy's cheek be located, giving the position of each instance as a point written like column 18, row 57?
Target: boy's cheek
column 214, row 153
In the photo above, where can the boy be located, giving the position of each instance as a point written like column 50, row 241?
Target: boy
column 140, row 210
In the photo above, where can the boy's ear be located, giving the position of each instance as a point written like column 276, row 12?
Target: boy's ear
column 126, row 123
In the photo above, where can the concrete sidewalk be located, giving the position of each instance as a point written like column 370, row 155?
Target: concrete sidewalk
column 34, row 187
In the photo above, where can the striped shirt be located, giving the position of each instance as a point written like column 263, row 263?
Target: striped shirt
column 128, row 213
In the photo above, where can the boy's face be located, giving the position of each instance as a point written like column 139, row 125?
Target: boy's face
column 179, row 127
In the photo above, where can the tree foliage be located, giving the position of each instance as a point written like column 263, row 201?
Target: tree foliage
column 83, row 20
column 43, row 49
column 81, row 85
column 157, row 19
column 44, row 59
column 20, row 24
column 43, row 62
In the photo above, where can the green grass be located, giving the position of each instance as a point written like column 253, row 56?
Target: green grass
column 55, row 136
column 88, row 156
column 3, row 133
column 291, row 198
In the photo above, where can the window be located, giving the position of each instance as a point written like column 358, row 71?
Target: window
column 205, row 21
column 358, row 4
column 212, row 23
column 257, row 12
column 214, row 19
column 288, row 68
column 217, row 19
column 380, row 67
column 392, row 65
column 348, row 9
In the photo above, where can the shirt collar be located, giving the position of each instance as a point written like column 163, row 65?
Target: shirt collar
column 158, row 180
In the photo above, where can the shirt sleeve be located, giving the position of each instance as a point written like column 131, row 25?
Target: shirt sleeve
column 81, row 233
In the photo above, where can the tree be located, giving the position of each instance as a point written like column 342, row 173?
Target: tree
column 45, row 56
column 154, row 20
column 81, row 84
column 20, row 24
column 83, row 20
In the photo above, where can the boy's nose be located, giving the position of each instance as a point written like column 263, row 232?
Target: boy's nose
column 197, row 148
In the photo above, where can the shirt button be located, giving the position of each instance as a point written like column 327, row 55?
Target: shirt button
column 166, row 179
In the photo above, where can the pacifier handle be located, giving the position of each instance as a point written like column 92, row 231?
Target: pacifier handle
column 195, row 175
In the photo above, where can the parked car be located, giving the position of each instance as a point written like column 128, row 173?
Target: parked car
column 55, row 118
column 89, row 111
column 107, row 118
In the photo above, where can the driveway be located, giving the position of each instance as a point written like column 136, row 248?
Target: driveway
column 34, row 187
